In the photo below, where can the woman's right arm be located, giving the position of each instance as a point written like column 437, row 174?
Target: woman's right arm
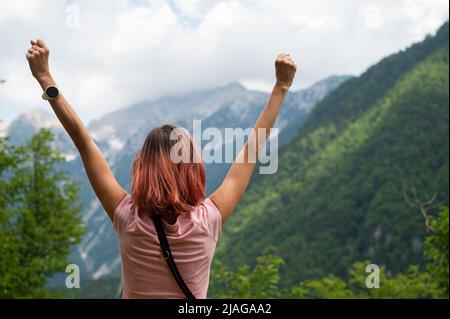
column 105, row 186
column 229, row 193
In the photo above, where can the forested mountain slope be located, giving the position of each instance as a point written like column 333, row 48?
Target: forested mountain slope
column 338, row 196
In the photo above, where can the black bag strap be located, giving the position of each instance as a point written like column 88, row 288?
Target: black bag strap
column 167, row 255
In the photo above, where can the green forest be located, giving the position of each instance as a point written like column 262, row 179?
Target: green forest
column 349, row 188
column 264, row 279
column 366, row 181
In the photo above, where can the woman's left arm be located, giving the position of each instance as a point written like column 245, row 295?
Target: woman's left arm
column 102, row 180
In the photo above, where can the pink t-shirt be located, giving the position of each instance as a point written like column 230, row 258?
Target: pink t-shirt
column 192, row 240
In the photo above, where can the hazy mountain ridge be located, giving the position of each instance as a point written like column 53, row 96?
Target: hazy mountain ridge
column 3, row 129
column 22, row 128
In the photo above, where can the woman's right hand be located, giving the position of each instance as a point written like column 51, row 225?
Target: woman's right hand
column 285, row 69
column 233, row 187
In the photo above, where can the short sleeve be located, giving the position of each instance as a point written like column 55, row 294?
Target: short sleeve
column 121, row 213
column 212, row 219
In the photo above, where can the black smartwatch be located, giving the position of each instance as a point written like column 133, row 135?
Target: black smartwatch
column 50, row 93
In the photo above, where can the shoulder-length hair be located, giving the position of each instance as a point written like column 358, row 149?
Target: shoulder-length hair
column 162, row 185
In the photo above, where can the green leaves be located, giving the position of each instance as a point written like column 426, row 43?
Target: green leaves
column 260, row 282
column 38, row 218
column 437, row 249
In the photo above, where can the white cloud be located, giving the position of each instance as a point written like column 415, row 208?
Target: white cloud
column 142, row 28
column 194, row 9
column 126, row 51
column 372, row 16
column 315, row 22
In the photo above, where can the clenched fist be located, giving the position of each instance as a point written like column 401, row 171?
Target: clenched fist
column 37, row 57
column 285, row 69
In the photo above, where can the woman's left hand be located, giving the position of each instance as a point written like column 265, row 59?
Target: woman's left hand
column 37, row 57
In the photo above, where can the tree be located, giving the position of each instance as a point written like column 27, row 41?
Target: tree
column 412, row 284
column 39, row 219
column 436, row 248
column 260, row 282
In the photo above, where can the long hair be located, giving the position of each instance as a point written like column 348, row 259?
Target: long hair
column 161, row 185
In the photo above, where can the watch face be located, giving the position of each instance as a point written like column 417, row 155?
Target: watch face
column 52, row 92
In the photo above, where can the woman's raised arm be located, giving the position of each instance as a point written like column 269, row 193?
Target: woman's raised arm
column 229, row 193
column 108, row 191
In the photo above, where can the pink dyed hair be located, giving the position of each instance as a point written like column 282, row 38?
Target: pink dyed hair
column 161, row 186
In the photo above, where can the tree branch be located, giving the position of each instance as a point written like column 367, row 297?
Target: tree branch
column 422, row 205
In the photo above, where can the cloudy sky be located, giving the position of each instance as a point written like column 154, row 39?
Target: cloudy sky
column 110, row 54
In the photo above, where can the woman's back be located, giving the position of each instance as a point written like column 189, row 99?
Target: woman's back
column 192, row 240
